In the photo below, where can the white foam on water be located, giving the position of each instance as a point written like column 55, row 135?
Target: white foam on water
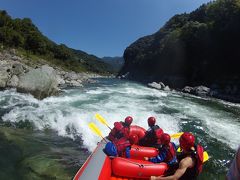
column 219, row 124
column 75, row 109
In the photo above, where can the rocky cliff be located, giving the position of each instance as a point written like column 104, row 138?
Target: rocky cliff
column 199, row 48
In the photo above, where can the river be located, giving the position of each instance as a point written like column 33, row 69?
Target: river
column 50, row 138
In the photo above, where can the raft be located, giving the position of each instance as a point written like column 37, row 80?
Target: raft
column 139, row 152
column 100, row 166
column 137, row 130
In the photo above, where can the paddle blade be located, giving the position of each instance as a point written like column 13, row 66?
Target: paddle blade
column 205, row 156
column 177, row 135
column 179, row 150
column 95, row 129
column 101, row 119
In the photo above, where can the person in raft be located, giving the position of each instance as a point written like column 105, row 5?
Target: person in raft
column 121, row 129
column 190, row 160
column 152, row 135
column 167, row 153
column 234, row 170
column 119, row 137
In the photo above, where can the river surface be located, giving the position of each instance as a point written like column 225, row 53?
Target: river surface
column 50, row 138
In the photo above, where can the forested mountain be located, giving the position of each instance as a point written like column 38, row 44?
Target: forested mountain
column 199, row 48
column 22, row 34
column 115, row 62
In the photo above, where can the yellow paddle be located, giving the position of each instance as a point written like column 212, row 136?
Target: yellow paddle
column 205, row 156
column 102, row 120
column 96, row 130
column 177, row 135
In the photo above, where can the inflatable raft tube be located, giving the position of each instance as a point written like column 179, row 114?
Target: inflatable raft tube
column 137, row 130
column 99, row 166
column 139, row 152
column 140, row 169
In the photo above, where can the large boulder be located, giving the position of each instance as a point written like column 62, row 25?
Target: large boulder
column 3, row 78
column 4, row 73
column 13, row 82
column 155, row 85
column 41, row 82
column 201, row 91
column 159, row 86
column 75, row 83
column 187, row 89
column 60, row 80
column 71, row 76
column 166, row 88
column 17, row 69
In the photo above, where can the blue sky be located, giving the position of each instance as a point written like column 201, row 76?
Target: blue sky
column 99, row 27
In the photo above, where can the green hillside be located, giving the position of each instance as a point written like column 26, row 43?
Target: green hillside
column 24, row 36
column 115, row 62
column 199, row 48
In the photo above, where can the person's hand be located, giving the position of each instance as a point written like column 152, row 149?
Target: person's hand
column 146, row 158
column 155, row 177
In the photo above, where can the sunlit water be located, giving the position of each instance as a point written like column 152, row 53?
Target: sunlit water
column 215, row 123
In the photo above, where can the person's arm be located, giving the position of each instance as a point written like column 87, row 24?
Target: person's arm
column 238, row 160
column 234, row 170
column 160, row 158
column 110, row 135
column 184, row 164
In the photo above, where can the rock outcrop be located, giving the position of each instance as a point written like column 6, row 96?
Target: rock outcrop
column 159, row 86
column 198, row 90
column 40, row 80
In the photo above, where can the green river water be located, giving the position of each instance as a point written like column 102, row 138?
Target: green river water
column 50, row 139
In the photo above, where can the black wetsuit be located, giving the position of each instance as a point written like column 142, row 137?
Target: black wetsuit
column 191, row 173
column 150, row 138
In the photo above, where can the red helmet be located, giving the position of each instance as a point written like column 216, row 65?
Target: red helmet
column 151, row 121
column 186, row 141
column 133, row 139
column 128, row 120
column 118, row 126
column 165, row 139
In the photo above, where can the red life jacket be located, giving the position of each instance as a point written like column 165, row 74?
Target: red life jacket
column 158, row 133
column 152, row 136
column 171, row 152
column 197, row 154
column 115, row 134
column 121, row 145
column 118, row 134
column 200, row 151
column 125, row 130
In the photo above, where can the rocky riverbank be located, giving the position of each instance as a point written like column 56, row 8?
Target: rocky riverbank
column 229, row 94
column 36, row 77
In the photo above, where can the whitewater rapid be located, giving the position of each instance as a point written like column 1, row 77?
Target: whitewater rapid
column 70, row 112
